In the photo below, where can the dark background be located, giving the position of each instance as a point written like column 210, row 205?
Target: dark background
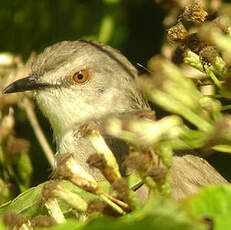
column 136, row 25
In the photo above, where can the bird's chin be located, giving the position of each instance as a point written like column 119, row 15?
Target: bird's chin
column 55, row 110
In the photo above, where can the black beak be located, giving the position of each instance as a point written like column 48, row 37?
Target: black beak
column 24, row 84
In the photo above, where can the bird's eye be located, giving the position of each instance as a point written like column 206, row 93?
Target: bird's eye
column 80, row 76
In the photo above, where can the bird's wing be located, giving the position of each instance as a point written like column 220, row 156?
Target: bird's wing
column 189, row 173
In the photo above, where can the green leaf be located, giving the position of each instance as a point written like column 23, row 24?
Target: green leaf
column 26, row 203
column 134, row 181
column 70, row 224
column 29, row 202
column 212, row 202
column 157, row 213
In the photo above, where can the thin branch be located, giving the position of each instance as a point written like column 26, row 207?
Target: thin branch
column 38, row 131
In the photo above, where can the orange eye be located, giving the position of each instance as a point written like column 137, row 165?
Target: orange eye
column 81, row 76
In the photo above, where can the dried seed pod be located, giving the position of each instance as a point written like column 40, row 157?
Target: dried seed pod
column 194, row 43
column 100, row 206
column 211, row 56
column 208, row 54
column 121, row 188
column 42, row 221
column 137, row 162
column 194, row 13
column 157, row 173
column 96, row 205
column 177, row 33
column 179, row 54
column 12, row 219
column 54, row 190
column 68, row 168
column 98, row 161
column 92, row 133
column 48, row 190
column 51, row 203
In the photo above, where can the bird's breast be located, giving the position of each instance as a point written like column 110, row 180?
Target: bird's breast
column 81, row 149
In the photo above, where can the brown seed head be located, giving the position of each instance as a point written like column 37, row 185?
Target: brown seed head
column 136, row 161
column 42, row 221
column 88, row 129
column 69, row 169
column 194, row 43
column 121, row 188
column 98, row 161
column 48, row 190
column 157, row 173
column 194, row 13
column 96, row 205
column 179, row 54
column 208, row 54
column 12, row 219
column 177, row 33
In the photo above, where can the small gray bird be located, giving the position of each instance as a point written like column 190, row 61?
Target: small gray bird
column 75, row 82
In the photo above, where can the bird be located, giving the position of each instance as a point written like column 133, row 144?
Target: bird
column 75, row 82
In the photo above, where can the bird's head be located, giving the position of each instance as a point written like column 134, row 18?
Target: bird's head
column 76, row 81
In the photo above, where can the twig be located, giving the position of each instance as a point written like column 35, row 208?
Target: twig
column 112, row 204
column 119, row 202
column 38, row 131
column 212, row 76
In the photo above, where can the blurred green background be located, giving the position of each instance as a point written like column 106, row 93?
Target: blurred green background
column 133, row 26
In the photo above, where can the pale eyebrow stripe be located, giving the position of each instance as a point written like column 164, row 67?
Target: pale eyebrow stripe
column 121, row 64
